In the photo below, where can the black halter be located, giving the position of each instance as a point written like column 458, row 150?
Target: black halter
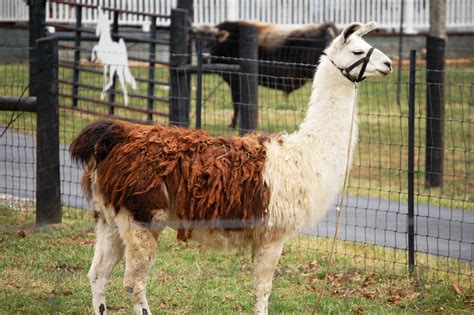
column 346, row 71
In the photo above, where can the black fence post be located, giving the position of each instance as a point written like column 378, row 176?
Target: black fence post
column 435, row 55
column 77, row 55
column 199, row 83
column 411, row 162
column 37, row 29
column 151, row 70
column 112, row 88
column 400, row 51
column 48, row 185
column 187, row 5
column 248, row 106
column 180, row 91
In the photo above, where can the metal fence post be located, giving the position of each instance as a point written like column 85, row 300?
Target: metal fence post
column 77, row 55
column 179, row 94
column 199, row 83
column 187, row 5
column 248, row 106
column 411, row 162
column 48, row 195
column 37, row 29
column 112, row 89
column 151, row 70
column 400, row 51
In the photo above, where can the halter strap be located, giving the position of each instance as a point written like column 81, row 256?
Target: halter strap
column 346, row 71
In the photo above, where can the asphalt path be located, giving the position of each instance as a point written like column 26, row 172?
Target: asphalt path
column 440, row 231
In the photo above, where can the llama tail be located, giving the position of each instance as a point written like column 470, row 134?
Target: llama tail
column 126, row 71
column 96, row 141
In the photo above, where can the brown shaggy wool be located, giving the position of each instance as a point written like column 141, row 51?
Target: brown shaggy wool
column 207, row 179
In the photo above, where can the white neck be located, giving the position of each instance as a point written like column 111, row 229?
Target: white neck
column 321, row 145
column 325, row 138
column 306, row 171
column 331, row 102
column 105, row 37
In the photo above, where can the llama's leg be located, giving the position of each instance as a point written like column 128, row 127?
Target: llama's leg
column 265, row 260
column 109, row 250
column 120, row 74
column 140, row 251
column 112, row 71
column 102, row 94
column 94, row 53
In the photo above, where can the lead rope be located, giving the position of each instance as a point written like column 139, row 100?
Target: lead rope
column 340, row 204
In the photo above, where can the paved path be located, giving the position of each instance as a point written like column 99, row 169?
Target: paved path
column 440, row 231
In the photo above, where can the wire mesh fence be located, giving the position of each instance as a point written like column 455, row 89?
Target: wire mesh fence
column 17, row 152
column 373, row 232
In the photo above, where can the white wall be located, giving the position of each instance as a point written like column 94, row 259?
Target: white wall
column 460, row 13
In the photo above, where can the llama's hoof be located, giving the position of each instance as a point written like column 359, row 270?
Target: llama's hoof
column 102, row 309
column 102, row 96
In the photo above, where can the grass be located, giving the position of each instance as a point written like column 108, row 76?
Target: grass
column 44, row 271
column 381, row 161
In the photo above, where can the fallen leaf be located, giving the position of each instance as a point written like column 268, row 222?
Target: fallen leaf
column 69, row 267
column 457, row 289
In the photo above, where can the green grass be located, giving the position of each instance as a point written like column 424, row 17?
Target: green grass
column 381, row 162
column 44, row 271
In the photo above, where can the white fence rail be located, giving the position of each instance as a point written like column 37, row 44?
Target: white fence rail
column 460, row 13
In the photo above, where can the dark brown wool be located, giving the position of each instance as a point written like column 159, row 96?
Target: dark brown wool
column 206, row 178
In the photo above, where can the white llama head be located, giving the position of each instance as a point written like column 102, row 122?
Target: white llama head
column 349, row 47
column 103, row 24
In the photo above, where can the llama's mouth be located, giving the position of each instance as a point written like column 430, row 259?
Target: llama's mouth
column 385, row 73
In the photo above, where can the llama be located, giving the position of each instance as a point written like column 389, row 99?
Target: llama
column 112, row 55
column 278, row 45
column 226, row 192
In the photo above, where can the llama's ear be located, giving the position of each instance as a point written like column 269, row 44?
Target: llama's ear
column 367, row 28
column 350, row 29
column 222, row 36
column 100, row 17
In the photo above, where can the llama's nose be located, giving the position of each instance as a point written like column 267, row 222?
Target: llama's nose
column 388, row 64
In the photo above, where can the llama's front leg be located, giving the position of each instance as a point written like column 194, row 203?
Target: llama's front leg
column 140, row 252
column 109, row 250
column 120, row 74
column 102, row 94
column 112, row 71
column 265, row 260
column 94, row 53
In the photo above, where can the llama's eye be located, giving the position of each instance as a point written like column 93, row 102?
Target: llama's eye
column 357, row 52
